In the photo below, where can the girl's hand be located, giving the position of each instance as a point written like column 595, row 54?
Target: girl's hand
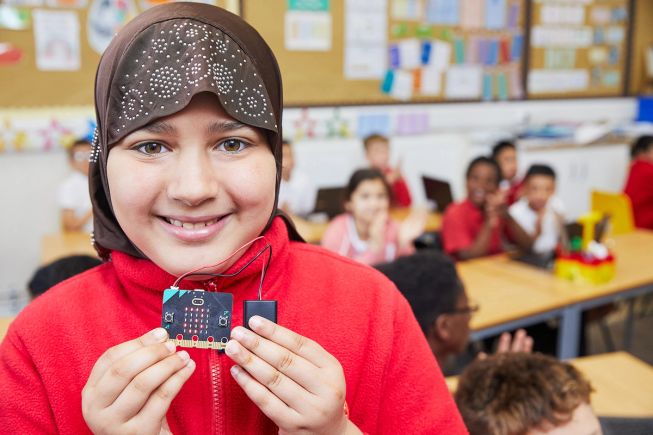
column 377, row 230
column 132, row 384
column 293, row 380
column 412, row 227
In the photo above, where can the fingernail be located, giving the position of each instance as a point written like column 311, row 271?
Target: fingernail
column 190, row 364
column 171, row 346
column 237, row 333
column 183, row 355
column 231, row 348
column 234, row 371
column 256, row 322
column 159, row 333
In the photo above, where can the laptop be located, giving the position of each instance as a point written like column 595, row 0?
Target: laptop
column 330, row 200
column 437, row 191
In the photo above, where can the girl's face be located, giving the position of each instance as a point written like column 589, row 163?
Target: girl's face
column 368, row 200
column 191, row 188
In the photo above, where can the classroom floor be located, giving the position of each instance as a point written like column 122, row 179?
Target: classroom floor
column 642, row 345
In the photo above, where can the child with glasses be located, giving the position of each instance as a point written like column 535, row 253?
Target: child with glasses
column 73, row 198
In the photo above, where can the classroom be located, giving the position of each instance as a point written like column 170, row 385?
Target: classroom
column 438, row 218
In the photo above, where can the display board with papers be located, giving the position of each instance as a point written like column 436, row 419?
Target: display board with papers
column 578, row 48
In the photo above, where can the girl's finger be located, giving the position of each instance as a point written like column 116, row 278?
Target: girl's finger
column 292, row 365
column 113, row 354
column 268, row 403
column 157, row 405
column 123, row 371
column 297, row 344
column 280, row 385
column 139, row 390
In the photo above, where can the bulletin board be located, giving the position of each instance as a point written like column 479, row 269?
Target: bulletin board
column 578, row 48
column 24, row 85
column 489, row 55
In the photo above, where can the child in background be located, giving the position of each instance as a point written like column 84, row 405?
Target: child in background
column 476, row 226
column 430, row 283
column 296, row 192
column 74, row 200
column 539, row 212
column 60, row 270
column 505, row 154
column 193, row 173
column 639, row 184
column 377, row 153
column 521, row 393
column 366, row 233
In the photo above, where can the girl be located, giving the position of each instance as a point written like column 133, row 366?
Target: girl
column 366, row 233
column 185, row 171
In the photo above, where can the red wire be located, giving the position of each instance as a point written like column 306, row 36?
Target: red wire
column 219, row 263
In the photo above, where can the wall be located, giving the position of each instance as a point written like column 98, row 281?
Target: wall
column 456, row 133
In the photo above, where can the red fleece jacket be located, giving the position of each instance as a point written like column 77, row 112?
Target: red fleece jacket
column 393, row 382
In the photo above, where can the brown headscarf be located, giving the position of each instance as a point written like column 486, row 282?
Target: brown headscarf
column 155, row 65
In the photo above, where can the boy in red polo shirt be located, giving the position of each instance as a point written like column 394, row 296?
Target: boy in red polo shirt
column 476, row 226
column 639, row 185
column 377, row 153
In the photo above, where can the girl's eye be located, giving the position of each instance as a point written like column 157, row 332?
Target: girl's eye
column 233, row 146
column 151, row 148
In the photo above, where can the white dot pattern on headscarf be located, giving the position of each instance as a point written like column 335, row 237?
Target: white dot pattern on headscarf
column 172, row 61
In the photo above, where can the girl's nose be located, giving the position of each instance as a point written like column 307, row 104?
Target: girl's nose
column 194, row 180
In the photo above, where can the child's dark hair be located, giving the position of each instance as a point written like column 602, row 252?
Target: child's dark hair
column 52, row 274
column 82, row 141
column 539, row 169
column 373, row 137
column 499, row 147
column 482, row 160
column 361, row 175
column 428, row 280
column 286, row 142
column 641, row 145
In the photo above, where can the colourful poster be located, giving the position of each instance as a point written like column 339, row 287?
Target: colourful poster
column 56, row 36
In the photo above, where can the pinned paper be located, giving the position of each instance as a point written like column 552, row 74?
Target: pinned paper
column 504, row 51
column 472, row 14
column 464, row 82
column 14, row 18
column 560, row 58
column 386, row 84
column 517, row 47
column 562, row 14
column 440, row 55
column 547, row 81
column 66, row 3
column 412, row 123
column 493, row 52
column 515, row 83
column 502, row 85
column 613, row 57
column 561, row 36
column 618, row 15
column 597, row 55
column 615, row 35
column 377, row 123
column 395, row 59
column 402, row 85
column 472, row 49
column 23, row 3
column 9, row 54
column 513, row 16
column 406, row 9
column 495, row 14
column 459, row 51
column 410, row 51
column 364, row 61
column 424, row 31
column 56, row 35
column 483, row 51
column 599, row 36
column 442, row 12
column 105, row 18
column 431, row 81
column 308, row 31
column 611, row 78
column 600, row 15
column 487, row 87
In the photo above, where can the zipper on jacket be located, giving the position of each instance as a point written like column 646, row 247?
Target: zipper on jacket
column 216, row 390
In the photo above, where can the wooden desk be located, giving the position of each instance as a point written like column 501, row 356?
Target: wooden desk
column 55, row 246
column 312, row 232
column 623, row 384
column 513, row 294
column 4, row 325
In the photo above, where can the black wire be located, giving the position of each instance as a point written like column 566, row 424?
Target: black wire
column 245, row 266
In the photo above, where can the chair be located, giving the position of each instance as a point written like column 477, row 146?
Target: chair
column 618, row 207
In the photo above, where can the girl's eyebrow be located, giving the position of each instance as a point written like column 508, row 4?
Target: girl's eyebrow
column 160, row 127
column 224, row 126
